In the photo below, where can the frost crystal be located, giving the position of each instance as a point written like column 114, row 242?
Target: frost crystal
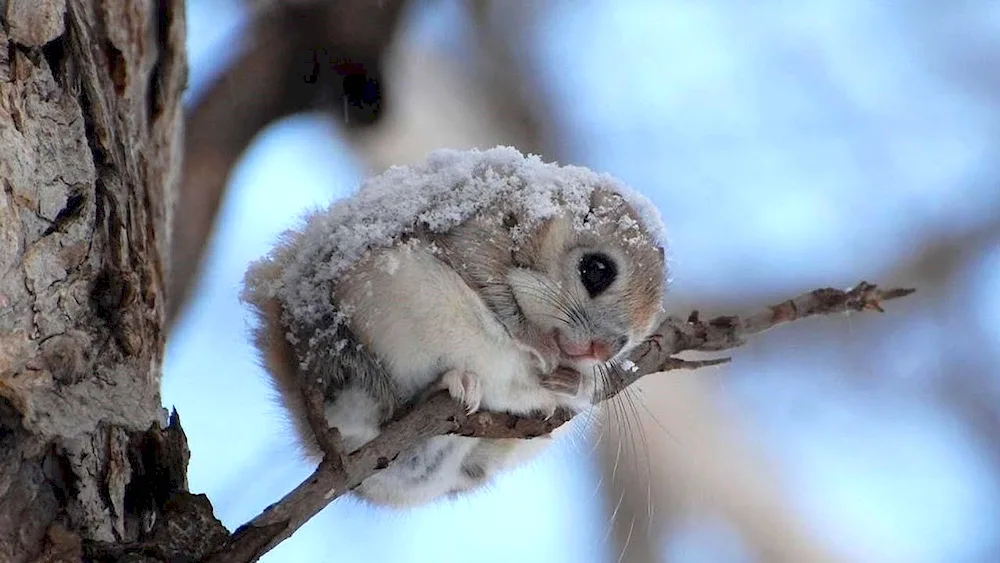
column 447, row 189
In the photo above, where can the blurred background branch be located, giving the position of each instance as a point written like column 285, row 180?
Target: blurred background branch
column 299, row 56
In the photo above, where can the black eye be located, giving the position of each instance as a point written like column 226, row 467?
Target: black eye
column 597, row 273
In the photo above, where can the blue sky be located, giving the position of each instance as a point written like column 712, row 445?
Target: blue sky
column 787, row 146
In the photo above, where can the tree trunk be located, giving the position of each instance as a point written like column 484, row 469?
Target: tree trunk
column 90, row 146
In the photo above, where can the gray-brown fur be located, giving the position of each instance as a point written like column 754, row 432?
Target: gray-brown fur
column 338, row 360
column 488, row 252
column 482, row 251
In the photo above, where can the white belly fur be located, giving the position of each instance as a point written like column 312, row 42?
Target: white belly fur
column 421, row 319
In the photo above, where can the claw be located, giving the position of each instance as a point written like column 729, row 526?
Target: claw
column 464, row 386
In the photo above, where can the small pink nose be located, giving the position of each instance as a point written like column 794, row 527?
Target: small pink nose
column 587, row 350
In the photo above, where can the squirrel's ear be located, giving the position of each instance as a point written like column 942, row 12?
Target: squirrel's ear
column 602, row 198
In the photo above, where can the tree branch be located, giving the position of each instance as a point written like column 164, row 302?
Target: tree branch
column 441, row 415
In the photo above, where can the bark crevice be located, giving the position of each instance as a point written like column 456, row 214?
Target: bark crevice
column 86, row 171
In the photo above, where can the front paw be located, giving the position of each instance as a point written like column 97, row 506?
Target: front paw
column 563, row 380
column 544, row 357
column 464, row 386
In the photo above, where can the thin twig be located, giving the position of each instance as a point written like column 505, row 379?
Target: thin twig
column 440, row 414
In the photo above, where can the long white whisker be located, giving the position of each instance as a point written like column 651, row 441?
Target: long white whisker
column 628, row 538
column 614, row 514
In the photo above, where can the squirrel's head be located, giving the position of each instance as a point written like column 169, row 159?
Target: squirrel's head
column 591, row 286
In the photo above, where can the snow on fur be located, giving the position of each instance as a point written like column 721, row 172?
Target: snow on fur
column 447, row 189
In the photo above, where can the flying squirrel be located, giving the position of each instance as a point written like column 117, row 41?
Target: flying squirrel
column 513, row 283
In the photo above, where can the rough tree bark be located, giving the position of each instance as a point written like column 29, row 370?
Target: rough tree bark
column 90, row 143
